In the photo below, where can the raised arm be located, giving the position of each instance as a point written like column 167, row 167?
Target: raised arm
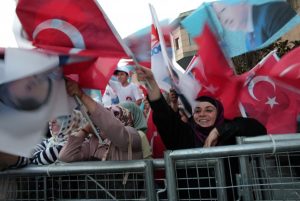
column 145, row 74
column 174, row 132
column 112, row 127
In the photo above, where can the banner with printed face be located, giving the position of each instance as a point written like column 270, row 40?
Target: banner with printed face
column 243, row 26
column 32, row 92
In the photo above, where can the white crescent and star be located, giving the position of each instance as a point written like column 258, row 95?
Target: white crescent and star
column 65, row 27
column 271, row 101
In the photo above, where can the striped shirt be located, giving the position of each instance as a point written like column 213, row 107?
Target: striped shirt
column 44, row 154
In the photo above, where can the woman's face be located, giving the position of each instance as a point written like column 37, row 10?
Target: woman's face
column 55, row 126
column 205, row 114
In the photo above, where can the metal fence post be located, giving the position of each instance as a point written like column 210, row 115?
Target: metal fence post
column 245, row 175
column 149, row 180
column 171, row 176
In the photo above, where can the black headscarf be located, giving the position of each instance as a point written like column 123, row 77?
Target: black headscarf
column 200, row 132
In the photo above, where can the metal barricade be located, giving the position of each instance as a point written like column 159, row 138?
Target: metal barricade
column 223, row 179
column 108, row 180
column 260, row 168
column 271, row 176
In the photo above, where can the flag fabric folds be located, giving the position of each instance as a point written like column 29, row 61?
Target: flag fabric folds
column 265, row 98
column 69, row 28
column 166, row 72
column 139, row 41
column 215, row 75
column 32, row 92
column 158, row 65
column 91, row 73
column 20, row 63
column 263, row 93
column 243, row 26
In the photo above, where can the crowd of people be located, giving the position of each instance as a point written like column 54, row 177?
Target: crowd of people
column 134, row 121
column 140, row 127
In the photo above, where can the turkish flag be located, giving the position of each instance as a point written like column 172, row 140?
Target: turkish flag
column 74, row 28
column 287, row 71
column 263, row 98
column 215, row 74
column 92, row 74
column 264, row 66
column 269, row 92
column 68, row 26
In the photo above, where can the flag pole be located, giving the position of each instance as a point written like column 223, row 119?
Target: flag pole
column 121, row 41
column 86, row 115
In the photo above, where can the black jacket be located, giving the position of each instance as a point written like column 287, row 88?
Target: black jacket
column 179, row 135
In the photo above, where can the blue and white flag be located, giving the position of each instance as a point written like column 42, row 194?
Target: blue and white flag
column 32, row 92
column 243, row 26
column 160, row 64
column 167, row 72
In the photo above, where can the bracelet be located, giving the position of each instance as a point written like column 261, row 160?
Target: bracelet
column 85, row 131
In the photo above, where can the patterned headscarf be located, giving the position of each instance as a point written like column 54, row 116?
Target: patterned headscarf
column 68, row 124
column 201, row 133
column 139, row 121
column 123, row 114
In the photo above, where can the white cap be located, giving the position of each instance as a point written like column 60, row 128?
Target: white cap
column 122, row 69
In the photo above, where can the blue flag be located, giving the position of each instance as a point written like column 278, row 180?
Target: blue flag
column 243, row 26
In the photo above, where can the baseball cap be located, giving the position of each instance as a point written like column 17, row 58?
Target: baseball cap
column 122, row 69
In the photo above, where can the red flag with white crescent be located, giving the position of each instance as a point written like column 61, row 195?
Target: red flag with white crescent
column 269, row 92
column 74, row 28
column 265, row 99
column 68, row 26
column 269, row 103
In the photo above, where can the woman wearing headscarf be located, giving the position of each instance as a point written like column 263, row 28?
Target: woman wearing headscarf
column 121, row 140
column 139, row 122
column 60, row 128
column 207, row 127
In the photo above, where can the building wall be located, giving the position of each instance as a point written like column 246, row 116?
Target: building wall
column 294, row 3
column 294, row 34
column 183, row 45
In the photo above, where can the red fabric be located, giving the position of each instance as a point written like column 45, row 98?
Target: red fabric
column 83, row 15
column 270, row 92
column 154, row 138
column 156, row 144
column 214, row 73
column 266, row 100
column 93, row 74
column 74, row 28
column 287, row 70
column 264, row 65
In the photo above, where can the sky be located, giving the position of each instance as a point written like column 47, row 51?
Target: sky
column 127, row 16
